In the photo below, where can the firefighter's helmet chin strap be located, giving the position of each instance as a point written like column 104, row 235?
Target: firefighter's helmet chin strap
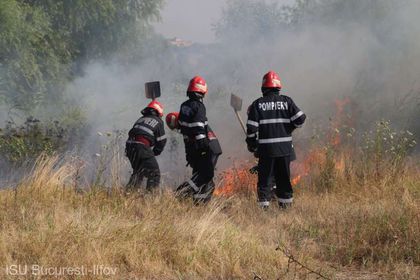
column 266, row 91
column 195, row 95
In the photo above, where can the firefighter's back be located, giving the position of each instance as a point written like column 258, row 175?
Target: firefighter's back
column 274, row 125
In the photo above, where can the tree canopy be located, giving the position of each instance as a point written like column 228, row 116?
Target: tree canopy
column 43, row 43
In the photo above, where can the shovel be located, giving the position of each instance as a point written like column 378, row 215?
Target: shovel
column 152, row 90
column 236, row 103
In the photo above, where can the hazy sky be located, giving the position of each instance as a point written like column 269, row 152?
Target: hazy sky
column 192, row 19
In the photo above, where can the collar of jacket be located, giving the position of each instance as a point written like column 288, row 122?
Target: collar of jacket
column 270, row 91
column 195, row 96
column 149, row 112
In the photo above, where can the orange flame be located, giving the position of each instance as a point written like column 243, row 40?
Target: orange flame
column 236, row 180
column 296, row 180
column 240, row 180
column 339, row 119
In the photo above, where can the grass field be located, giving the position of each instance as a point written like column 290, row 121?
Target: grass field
column 347, row 230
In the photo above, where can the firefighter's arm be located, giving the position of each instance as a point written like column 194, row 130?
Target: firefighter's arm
column 199, row 123
column 252, row 129
column 160, row 137
column 297, row 117
column 193, row 120
column 199, row 128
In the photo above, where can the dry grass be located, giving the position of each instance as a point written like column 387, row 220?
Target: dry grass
column 367, row 230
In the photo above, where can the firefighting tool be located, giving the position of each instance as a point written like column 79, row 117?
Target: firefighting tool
column 152, row 90
column 236, row 103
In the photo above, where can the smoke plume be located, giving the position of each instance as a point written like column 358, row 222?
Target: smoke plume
column 330, row 50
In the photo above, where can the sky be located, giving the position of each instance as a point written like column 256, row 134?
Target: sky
column 192, row 20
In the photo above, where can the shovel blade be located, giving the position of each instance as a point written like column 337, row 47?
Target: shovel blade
column 236, row 102
column 152, row 89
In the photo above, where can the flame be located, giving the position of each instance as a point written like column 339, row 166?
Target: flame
column 340, row 164
column 237, row 180
column 340, row 105
column 240, row 180
column 340, row 119
column 296, row 180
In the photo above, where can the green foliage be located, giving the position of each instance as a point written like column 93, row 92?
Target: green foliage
column 19, row 144
column 43, row 44
column 30, row 64
column 96, row 28
column 385, row 150
column 380, row 153
column 107, row 162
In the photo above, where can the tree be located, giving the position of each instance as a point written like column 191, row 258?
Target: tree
column 27, row 58
column 44, row 43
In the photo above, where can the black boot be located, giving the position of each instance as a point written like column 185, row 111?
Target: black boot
column 205, row 193
column 285, row 203
column 186, row 189
column 264, row 204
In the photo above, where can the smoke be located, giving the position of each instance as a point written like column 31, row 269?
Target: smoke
column 335, row 51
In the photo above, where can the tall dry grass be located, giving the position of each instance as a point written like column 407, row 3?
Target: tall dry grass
column 354, row 229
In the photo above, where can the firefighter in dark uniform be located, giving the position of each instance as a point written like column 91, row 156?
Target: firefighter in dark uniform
column 271, row 120
column 202, row 148
column 146, row 140
column 187, row 189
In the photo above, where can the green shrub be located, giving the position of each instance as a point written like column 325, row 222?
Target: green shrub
column 384, row 150
column 23, row 143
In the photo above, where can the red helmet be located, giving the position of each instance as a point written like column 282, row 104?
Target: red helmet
column 197, row 84
column 172, row 120
column 271, row 80
column 157, row 106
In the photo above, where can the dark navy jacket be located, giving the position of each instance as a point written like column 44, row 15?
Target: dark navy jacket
column 271, row 121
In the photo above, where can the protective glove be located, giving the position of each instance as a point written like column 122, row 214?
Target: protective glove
column 254, row 170
column 252, row 148
column 252, row 144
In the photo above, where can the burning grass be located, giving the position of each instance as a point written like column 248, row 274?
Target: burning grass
column 356, row 216
column 358, row 226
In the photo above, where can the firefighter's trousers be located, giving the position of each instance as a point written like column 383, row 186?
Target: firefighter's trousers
column 201, row 185
column 144, row 164
column 279, row 168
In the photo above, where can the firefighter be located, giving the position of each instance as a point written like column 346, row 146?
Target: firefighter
column 215, row 150
column 271, row 120
column 202, row 148
column 146, row 140
column 254, row 170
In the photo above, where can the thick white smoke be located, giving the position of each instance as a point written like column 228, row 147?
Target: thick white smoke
column 374, row 65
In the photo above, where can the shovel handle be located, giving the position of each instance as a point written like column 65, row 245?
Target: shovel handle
column 241, row 121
